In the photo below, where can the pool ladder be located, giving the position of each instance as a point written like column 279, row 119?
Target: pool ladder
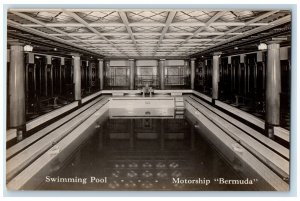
column 179, row 107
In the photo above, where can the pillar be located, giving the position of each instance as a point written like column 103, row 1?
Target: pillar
column 215, row 76
column 244, row 78
column 193, row 73
column 86, row 69
column 131, row 65
column 186, row 68
column 100, row 73
column 204, row 70
column 16, row 87
column 162, row 73
column 273, row 88
column 49, row 65
column 231, row 74
column 77, row 77
column 61, row 67
column 205, row 75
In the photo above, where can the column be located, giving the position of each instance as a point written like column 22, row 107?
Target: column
column 205, row 75
column 273, row 88
column 100, row 73
column 187, row 70
column 231, row 74
column 259, row 58
column 162, row 73
column 49, row 65
column 193, row 73
column 77, row 77
column 16, row 88
column 132, row 73
column 244, row 78
column 215, row 76
column 61, row 81
column 86, row 84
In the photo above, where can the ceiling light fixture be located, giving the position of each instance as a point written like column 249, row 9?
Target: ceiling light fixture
column 28, row 48
column 262, row 46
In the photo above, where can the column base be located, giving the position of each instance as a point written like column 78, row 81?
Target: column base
column 20, row 133
column 269, row 131
column 213, row 101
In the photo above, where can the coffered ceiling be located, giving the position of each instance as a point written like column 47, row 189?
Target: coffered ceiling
column 144, row 33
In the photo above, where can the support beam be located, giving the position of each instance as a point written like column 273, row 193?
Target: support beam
column 208, row 23
column 101, row 73
column 38, row 22
column 215, row 76
column 169, row 20
column 152, row 34
column 77, row 77
column 129, row 30
column 273, row 88
column 162, row 73
column 16, row 87
column 132, row 73
column 193, row 73
column 18, row 26
column 275, row 23
column 143, row 24
column 80, row 20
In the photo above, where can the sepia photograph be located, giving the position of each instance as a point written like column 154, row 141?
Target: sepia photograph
column 148, row 99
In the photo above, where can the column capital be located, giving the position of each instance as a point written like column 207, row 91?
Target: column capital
column 101, row 60
column 193, row 59
column 131, row 59
column 162, row 59
column 75, row 55
column 217, row 53
column 273, row 45
column 276, row 40
column 15, row 43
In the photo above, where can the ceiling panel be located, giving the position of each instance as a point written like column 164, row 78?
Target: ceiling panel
column 175, row 32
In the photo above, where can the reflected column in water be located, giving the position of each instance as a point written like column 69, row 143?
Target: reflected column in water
column 162, row 135
column 131, row 134
column 100, row 137
column 192, row 137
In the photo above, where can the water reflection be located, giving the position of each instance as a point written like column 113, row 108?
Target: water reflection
column 148, row 154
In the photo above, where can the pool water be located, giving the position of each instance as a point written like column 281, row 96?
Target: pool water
column 148, row 154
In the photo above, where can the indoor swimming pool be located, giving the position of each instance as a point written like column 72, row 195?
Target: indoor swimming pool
column 144, row 154
column 148, row 100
